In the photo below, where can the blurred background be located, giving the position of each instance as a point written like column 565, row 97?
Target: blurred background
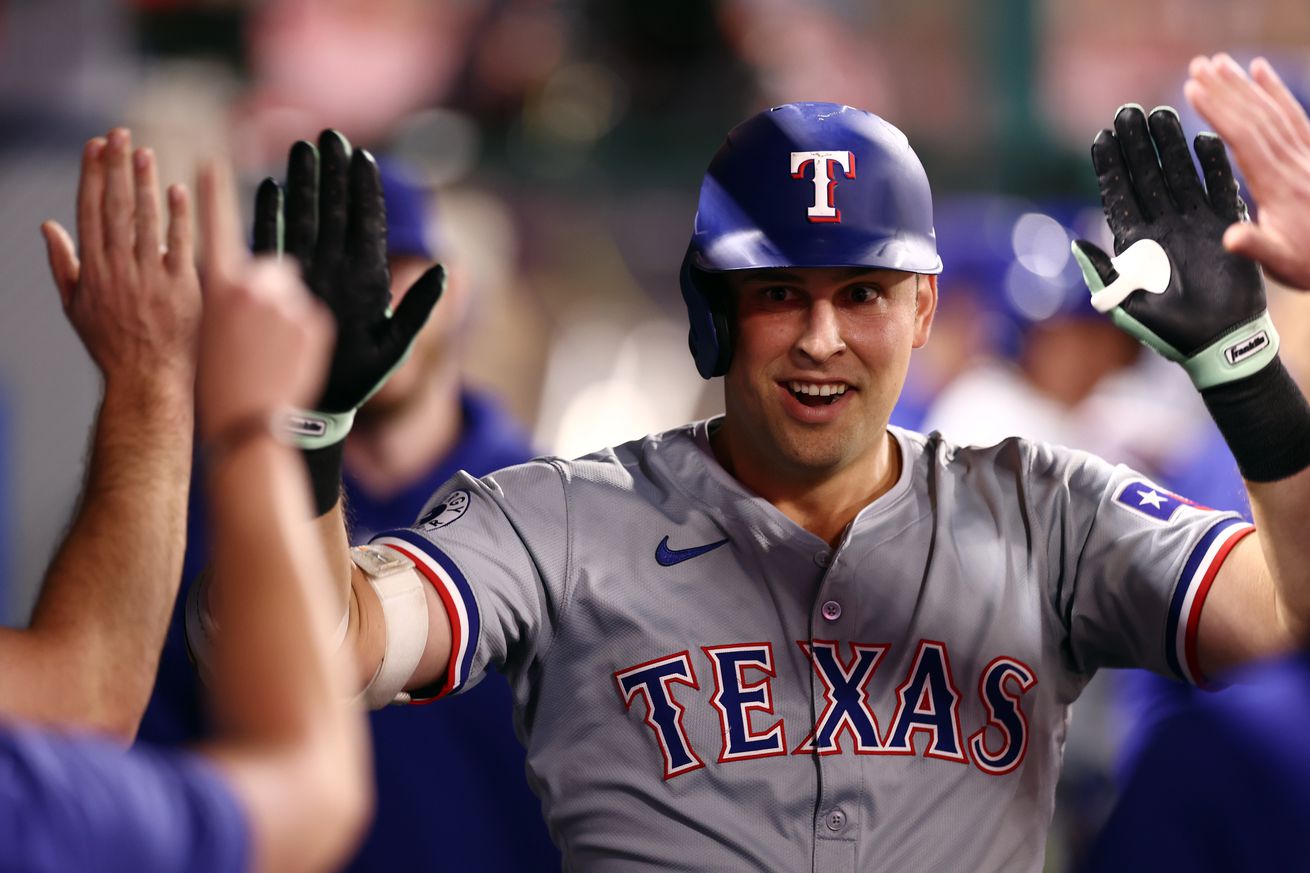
column 563, row 144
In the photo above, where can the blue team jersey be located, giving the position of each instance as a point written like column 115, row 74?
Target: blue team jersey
column 452, row 794
column 84, row 804
column 1220, row 782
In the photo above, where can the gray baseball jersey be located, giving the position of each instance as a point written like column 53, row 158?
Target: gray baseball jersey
column 703, row 685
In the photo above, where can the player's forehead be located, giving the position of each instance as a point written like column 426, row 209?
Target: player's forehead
column 808, row 276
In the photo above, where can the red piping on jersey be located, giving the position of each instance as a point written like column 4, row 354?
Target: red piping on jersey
column 452, row 618
column 1198, row 602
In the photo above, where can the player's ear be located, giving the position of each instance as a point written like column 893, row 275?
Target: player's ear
column 925, row 307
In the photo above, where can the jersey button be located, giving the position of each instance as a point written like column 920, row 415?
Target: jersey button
column 832, row 610
column 835, row 820
column 822, row 557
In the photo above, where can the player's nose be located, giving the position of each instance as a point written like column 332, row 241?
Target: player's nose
column 822, row 338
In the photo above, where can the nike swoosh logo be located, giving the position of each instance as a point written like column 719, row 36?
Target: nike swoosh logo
column 667, row 557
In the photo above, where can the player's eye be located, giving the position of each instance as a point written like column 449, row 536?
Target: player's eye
column 864, row 293
column 776, row 294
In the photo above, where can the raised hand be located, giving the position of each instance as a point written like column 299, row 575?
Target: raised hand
column 331, row 220
column 1172, row 283
column 1269, row 135
column 129, row 289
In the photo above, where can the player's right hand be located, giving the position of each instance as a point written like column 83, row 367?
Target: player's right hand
column 1172, row 284
column 130, row 292
column 331, row 220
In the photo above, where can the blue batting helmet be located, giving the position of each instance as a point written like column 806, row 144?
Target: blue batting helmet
column 803, row 185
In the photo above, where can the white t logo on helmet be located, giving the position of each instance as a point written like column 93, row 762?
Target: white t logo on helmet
column 824, row 209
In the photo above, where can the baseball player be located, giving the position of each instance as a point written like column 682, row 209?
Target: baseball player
column 795, row 638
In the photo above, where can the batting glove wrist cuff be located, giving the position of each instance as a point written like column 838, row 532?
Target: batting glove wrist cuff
column 1265, row 420
column 1239, row 354
column 324, row 468
column 308, row 429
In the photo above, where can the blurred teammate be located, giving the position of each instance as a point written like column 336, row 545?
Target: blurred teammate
column 792, row 637
column 131, row 293
column 1247, row 807
column 1269, row 134
column 416, row 432
column 284, row 787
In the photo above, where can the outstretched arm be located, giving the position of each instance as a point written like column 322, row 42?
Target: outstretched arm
column 295, row 752
column 131, row 293
column 1269, row 135
column 1176, row 287
column 329, row 218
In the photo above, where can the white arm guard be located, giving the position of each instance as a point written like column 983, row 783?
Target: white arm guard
column 400, row 591
column 399, row 588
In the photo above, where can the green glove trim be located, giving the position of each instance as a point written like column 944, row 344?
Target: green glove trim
column 308, row 429
column 400, row 361
column 1241, row 352
column 1146, row 336
column 1125, row 322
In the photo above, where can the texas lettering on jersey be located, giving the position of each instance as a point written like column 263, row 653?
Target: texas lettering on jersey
column 925, row 720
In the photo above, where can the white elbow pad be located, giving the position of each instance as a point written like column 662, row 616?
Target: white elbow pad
column 400, row 591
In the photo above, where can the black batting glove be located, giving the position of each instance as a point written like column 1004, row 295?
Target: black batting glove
column 331, row 218
column 1174, row 286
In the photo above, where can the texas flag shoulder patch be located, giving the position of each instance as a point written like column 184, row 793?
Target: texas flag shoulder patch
column 1146, row 498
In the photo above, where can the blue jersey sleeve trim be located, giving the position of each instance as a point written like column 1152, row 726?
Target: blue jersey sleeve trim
column 456, row 595
column 1189, row 595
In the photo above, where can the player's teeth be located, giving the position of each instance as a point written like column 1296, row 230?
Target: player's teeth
column 816, row 390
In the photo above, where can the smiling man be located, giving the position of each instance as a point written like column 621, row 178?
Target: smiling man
column 795, row 638
column 821, row 354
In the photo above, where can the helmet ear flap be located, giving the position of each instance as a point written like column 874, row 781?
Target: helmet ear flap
column 710, row 336
column 721, row 310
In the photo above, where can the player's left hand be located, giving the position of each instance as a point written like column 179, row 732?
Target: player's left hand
column 1172, row 284
column 332, row 220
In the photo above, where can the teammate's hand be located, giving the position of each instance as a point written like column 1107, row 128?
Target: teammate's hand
column 130, row 292
column 264, row 340
column 1172, row 284
column 332, row 220
column 1269, row 134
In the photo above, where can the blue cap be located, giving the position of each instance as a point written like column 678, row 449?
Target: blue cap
column 410, row 225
